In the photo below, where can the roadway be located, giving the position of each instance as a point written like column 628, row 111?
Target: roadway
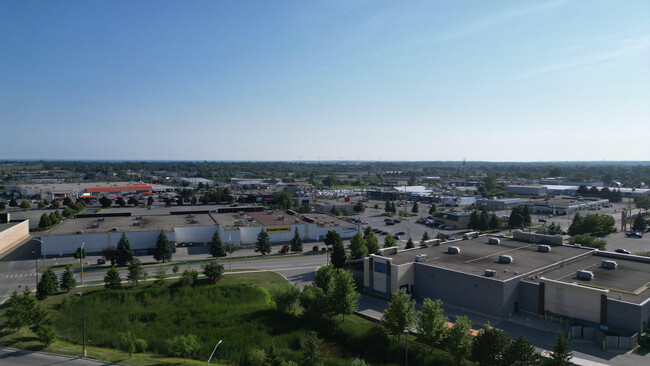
column 14, row 357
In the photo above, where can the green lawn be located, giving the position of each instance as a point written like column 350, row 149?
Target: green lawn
column 238, row 310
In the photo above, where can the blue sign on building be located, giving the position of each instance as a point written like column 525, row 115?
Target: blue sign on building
column 380, row 267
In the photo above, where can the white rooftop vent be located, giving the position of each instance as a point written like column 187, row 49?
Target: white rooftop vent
column 506, row 259
column 543, row 248
column 421, row 257
column 585, row 275
column 249, row 219
column 494, row 241
column 609, row 264
column 453, row 250
column 490, row 273
column 237, row 223
column 280, row 217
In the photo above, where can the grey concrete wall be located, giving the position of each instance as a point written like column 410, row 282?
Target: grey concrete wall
column 529, row 296
column 625, row 317
column 511, row 295
column 476, row 293
column 13, row 235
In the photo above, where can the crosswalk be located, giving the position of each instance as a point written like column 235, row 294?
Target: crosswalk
column 17, row 275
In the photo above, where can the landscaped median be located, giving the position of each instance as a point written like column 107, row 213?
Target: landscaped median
column 239, row 310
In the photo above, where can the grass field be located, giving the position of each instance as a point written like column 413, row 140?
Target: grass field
column 238, row 310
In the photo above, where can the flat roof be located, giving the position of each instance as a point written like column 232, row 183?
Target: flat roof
column 227, row 220
column 126, row 223
column 325, row 220
column 630, row 281
column 276, row 218
column 476, row 255
column 8, row 225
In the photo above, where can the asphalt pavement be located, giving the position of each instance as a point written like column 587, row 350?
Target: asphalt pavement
column 14, row 357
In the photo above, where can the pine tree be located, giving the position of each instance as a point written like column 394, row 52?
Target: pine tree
column 216, row 246
column 136, row 272
column 124, row 253
column 473, row 220
column 483, row 221
column 263, row 244
column 44, row 222
column 358, row 248
column 162, row 251
column 47, row 285
column 561, row 355
column 576, row 225
column 338, row 255
column 372, row 243
column 415, row 208
column 639, row 223
column 521, row 353
column 296, row 242
column 494, row 222
column 68, row 281
column 112, row 280
column 526, row 214
column 425, row 237
column 409, row 244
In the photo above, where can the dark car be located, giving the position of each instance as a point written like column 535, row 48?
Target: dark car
column 400, row 233
column 634, row 235
column 542, row 220
column 396, row 237
column 101, row 261
column 384, row 233
column 622, row 251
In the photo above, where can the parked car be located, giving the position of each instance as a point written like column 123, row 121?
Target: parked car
column 396, row 237
column 633, row 234
column 542, row 220
column 622, row 251
column 384, row 233
column 101, row 261
column 397, row 221
column 390, row 223
column 400, row 233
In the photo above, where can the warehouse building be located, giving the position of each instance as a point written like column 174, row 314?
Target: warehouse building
column 455, row 219
column 532, row 273
column 497, row 204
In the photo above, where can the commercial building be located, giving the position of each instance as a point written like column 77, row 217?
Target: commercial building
column 532, row 273
column 563, row 206
column 455, row 219
column 528, row 190
column 12, row 232
column 74, row 190
column 497, row 204
column 458, row 200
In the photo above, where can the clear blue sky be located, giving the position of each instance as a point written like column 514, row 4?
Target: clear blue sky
column 309, row 80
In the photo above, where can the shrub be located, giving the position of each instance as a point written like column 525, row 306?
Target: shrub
column 46, row 334
column 285, row 298
column 141, row 345
column 189, row 277
column 315, row 248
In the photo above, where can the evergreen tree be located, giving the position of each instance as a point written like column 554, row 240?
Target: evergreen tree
column 110, row 254
column 296, row 242
column 53, row 219
column 358, row 248
column 576, row 225
column 263, row 244
column 561, row 355
column 123, row 254
column 112, row 280
column 399, row 314
column 136, row 272
column 483, row 221
column 639, row 223
column 425, row 237
column 521, row 353
column 409, row 244
column 387, row 208
column 393, row 208
column 372, row 242
column 216, row 246
column 389, row 241
column 44, row 222
column 162, row 251
column 494, row 222
column 47, row 285
column 489, row 347
column 68, row 281
column 338, row 255
column 433, row 209
column 473, row 220
column 312, row 349
column 415, row 208
column 516, row 218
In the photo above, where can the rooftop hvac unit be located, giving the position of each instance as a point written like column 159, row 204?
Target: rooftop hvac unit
column 237, row 223
column 269, row 212
column 490, row 273
column 543, row 248
column 296, row 221
column 494, row 241
column 95, row 225
column 280, row 217
column 506, row 259
column 138, row 217
column 453, row 250
column 249, row 219
column 242, row 213
column 421, row 257
column 609, row 264
column 585, row 275
column 100, row 219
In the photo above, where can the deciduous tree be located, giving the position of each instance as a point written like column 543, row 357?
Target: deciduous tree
column 431, row 322
column 399, row 314
column 460, row 345
column 213, row 271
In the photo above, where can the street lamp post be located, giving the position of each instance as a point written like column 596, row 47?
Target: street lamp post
column 81, row 261
column 406, row 336
column 215, row 348
column 83, row 324
column 35, row 268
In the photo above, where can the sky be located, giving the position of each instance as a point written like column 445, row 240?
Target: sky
column 325, row 80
